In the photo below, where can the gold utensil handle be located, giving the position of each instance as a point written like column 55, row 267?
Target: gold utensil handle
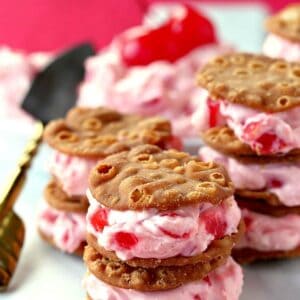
column 15, row 183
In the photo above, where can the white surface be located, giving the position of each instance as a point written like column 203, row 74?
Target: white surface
column 45, row 274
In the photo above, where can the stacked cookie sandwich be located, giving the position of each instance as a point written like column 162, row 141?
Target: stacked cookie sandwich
column 283, row 40
column 253, row 109
column 78, row 142
column 161, row 225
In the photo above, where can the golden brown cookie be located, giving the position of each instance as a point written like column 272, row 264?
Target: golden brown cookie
column 223, row 139
column 148, row 177
column 261, row 205
column 50, row 241
column 98, row 132
column 217, row 248
column 248, row 255
column 59, row 200
column 286, row 23
column 256, row 81
column 119, row 274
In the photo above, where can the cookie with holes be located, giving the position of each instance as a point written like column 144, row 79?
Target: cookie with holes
column 252, row 102
column 155, row 209
column 85, row 136
column 283, row 40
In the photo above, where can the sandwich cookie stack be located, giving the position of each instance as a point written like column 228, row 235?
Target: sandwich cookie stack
column 253, row 107
column 283, row 40
column 78, row 142
column 161, row 225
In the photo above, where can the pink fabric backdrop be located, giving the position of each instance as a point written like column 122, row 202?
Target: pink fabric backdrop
column 35, row 25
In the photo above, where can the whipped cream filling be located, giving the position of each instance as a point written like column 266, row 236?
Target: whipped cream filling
column 281, row 179
column 71, row 171
column 267, row 233
column 161, row 87
column 224, row 283
column 67, row 229
column 186, row 231
column 265, row 133
column 278, row 47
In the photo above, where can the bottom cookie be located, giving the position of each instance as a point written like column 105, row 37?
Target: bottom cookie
column 225, row 282
column 248, row 255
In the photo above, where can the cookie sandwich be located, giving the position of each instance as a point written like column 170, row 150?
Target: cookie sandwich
column 161, row 224
column 85, row 136
column 252, row 128
column 283, row 39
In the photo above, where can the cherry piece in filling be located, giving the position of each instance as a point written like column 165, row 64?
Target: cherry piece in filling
column 267, row 143
column 213, row 108
column 275, row 183
column 126, row 240
column 186, row 235
column 214, row 223
column 186, row 30
column 99, row 219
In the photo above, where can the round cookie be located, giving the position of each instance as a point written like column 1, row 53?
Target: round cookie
column 99, row 132
column 50, row 241
column 222, row 139
column 218, row 248
column 148, row 177
column 248, row 255
column 119, row 274
column 255, row 81
column 59, row 200
column 286, row 23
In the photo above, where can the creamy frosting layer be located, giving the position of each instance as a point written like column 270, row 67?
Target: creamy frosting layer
column 161, row 87
column 267, row 233
column 224, row 283
column 282, row 179
column 152, row 234
column 71, row 171
column 67, row 229
column 264, row 132
column 278, row 47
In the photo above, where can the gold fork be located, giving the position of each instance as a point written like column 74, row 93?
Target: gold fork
column 12, row 229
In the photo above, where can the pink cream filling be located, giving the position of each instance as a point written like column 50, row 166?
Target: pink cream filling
column 71, row 171
column 161, row 87
column 265, row 133
column 278, row 47
column 68, row 230
column 267, row 233
column 224, row 283
column 151, row 234
column 282, row 179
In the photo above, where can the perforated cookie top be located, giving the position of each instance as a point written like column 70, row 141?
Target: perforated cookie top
column 148, row 177
column 286, row 23
column 98, row 132
column 256, row 81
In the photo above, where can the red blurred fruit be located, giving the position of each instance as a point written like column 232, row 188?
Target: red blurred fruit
column 126, row 240
column 99, row 219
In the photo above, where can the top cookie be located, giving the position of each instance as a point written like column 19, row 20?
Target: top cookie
column 98, row 132
column 148, row 177
column 256, row 81
column 286, row 23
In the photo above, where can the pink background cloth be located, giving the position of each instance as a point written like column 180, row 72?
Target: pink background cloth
column 35, row 25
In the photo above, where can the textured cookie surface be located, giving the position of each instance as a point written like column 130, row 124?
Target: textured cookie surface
column 286, row 23
column 224, row 140
column 262, row 206
column 50, row 241
column 256, row 81
column 248, row 255
column 98, row 132
column 218, row 248
column 148, row 177
column 59, row 200
column 119, row 274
